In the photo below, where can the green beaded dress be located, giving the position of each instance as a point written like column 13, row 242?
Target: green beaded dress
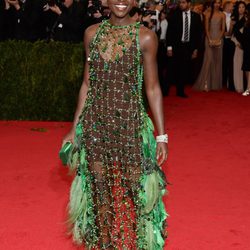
column 116, row 195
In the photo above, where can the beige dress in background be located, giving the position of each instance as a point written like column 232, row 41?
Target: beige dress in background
column 210, row 77
column 238, row 61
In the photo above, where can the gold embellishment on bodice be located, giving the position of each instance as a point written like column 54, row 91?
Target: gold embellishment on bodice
column 114, row 42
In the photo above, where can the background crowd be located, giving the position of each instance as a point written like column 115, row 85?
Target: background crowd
column 205, row 44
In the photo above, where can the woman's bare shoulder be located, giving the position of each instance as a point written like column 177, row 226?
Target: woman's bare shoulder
column 148, row 38
column 90, row 32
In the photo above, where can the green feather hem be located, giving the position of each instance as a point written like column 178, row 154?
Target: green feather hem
column 81, row 218
column 152, row 216
column 151, row 212
column 151, row 220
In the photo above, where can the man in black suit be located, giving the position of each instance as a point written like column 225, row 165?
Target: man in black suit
column 183, row 40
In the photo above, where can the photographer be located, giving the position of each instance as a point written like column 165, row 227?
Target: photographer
column 142, row 15
column 96, row 12
column 22, row 20
column 4, row 27
column 151, row 11
column 150, row 14
column 68, row 24
column 136, row 14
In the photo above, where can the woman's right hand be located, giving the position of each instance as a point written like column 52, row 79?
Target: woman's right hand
column 69, row 137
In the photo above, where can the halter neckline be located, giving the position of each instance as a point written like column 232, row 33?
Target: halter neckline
column 121, row 26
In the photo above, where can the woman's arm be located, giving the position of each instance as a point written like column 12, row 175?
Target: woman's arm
column 207, row 26
column 88, row 35
column 149, row 46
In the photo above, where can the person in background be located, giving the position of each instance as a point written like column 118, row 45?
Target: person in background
column 160, row 6
column 136, row 14
column 162, row 52
column 239, row 17
column 210, row 77
column 197, row 63
column 244, row 39
column 24, row 20
column 151, row 5
column 163, row 25
column 228, row 48
column 68, row 21
column 198, row 8
column 4, row 20
column 142, row 16
column 206, row 8
column 183, row 39
column 95, row 13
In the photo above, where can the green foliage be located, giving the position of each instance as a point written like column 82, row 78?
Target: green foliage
column 40, row 81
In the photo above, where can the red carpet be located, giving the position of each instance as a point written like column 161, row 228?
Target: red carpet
column 208, row 166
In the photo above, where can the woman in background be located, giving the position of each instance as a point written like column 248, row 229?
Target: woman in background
column 210, row 77
column 239, row 19
column 244, row 39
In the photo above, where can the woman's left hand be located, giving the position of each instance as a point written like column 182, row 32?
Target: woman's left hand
column 161, row 152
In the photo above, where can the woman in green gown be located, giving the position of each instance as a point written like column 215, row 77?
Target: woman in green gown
column 116, row 195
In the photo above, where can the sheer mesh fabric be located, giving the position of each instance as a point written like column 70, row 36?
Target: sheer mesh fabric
column 111, row 127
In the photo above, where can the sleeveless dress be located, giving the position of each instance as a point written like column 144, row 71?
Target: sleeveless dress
column 116, row 195
column 210, row 76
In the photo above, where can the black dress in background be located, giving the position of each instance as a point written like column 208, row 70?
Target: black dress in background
column 244, row 39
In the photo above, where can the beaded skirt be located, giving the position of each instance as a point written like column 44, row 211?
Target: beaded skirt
column 116, row 195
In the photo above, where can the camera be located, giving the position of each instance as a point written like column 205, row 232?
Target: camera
column 146, row 12
column 54, row 2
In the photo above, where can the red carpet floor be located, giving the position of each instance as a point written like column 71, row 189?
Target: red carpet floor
column 208, row 167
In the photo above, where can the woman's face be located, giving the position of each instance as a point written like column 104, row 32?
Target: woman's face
column 162, row 16
column 120, row 8
column 217, row 4
column 241, row 9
